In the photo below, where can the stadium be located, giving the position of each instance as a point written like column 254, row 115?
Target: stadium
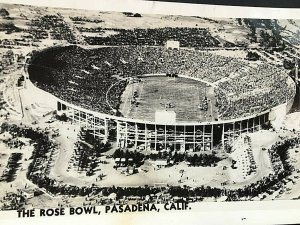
column 160, row 98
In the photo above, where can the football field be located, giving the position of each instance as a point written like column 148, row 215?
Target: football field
column 182, row 95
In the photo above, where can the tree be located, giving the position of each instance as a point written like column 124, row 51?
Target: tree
column 128, row 14
column 9, row 27
column 4, row 13
column 9, row 54
column 253, row 56
column 240, row 21
column 288, row 64
column 137, row 15
column 62, row 117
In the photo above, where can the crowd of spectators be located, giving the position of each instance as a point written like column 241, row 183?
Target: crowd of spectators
column 255, row 89
column 92, row 78
column 188, row 37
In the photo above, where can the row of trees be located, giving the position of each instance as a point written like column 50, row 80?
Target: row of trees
column 98, row 145
column 138, row 158
column 267, row 183
column 11, row 168
column 85, row 19
column 282, row 153
column 87, row 150
column 203, row 160
column 130, row 14
column 9, row 27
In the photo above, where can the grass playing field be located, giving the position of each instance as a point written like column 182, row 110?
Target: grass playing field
column 182, row 95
